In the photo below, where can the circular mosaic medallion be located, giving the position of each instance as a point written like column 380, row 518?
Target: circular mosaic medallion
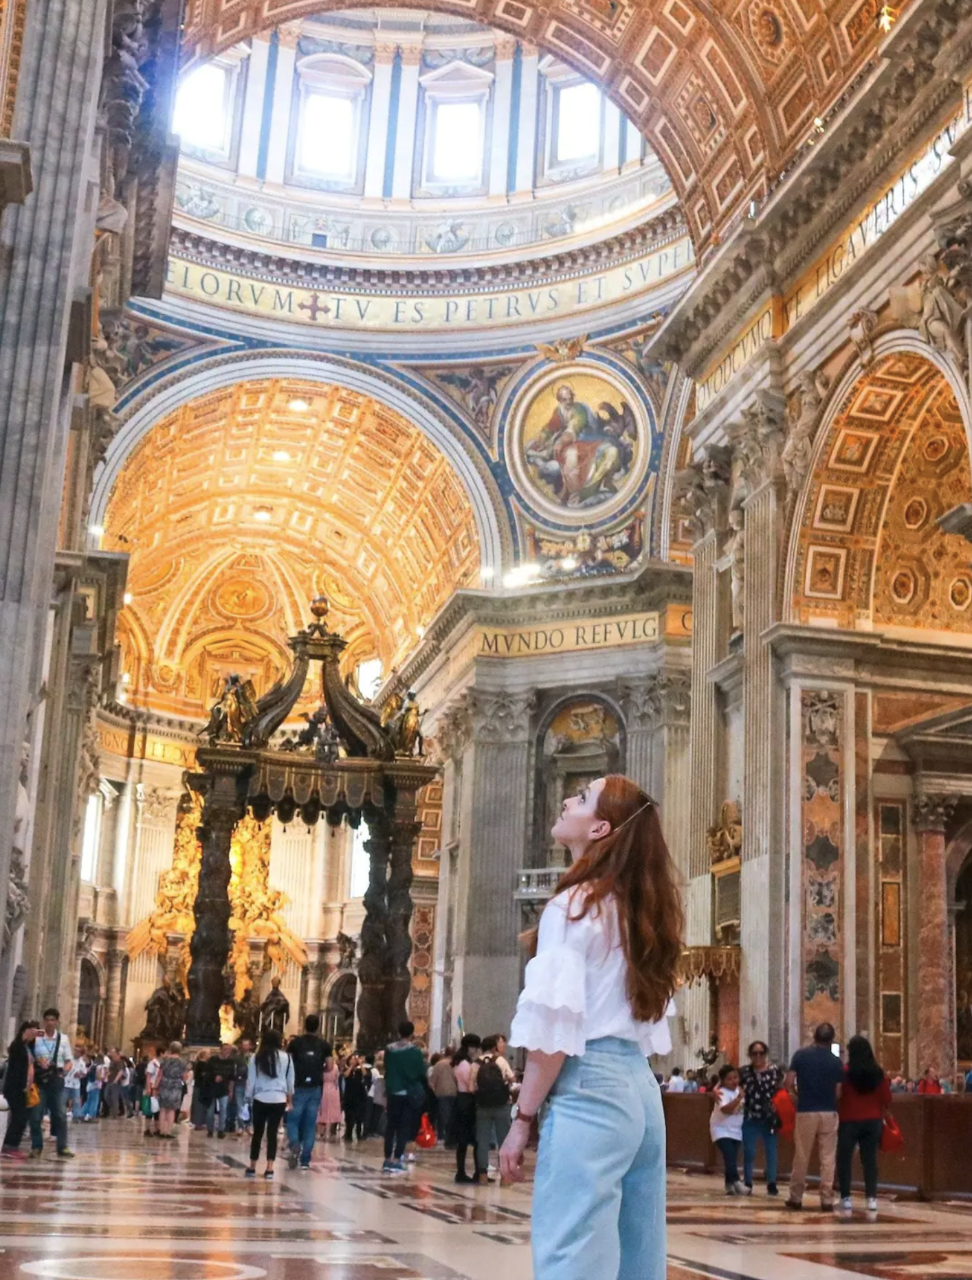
column 242, row 599
column 578, row 442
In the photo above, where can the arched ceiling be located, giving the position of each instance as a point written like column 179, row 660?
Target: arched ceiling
column 242, row 505
column 894, row 459
column 724, row 92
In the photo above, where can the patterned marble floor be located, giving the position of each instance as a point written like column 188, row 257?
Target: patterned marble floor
column 128, row 1208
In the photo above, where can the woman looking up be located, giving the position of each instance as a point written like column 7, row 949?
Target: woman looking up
column 592, row 1010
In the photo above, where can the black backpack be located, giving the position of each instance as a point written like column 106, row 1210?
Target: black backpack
column 491, row 1089
column 309, row 1053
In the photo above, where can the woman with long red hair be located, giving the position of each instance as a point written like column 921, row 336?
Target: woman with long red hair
column 593, row 1008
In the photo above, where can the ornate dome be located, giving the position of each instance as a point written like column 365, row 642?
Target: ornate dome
column 385, row 134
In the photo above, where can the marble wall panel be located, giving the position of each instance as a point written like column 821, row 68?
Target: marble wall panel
column 822, row 753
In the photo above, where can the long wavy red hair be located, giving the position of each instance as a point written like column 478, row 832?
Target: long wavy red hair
column 632, row 863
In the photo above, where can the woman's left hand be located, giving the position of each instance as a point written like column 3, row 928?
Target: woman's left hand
column 511, row 1152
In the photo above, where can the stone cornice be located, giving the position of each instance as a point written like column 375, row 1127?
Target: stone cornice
column 118, row 715
column 612, row 252
column 659, row 583
column 869, row 657
column 909, row 93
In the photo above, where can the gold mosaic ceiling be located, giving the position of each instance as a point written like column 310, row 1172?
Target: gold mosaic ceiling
column 894, row 460
column 242, row 505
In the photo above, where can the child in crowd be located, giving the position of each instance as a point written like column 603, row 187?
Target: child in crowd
column 726, row 1125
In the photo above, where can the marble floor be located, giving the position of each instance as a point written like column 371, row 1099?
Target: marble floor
column 131, row 1208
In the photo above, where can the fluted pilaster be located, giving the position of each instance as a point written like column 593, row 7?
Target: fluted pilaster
column 496, row 767
column 761, row 932
column 45, row 250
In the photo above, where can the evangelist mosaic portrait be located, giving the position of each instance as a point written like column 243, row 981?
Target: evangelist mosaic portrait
column 578, row 442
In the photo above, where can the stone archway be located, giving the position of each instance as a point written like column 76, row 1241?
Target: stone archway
column 496, row 538
column 338, row 1013
column 90, row 1017
column 892, row 456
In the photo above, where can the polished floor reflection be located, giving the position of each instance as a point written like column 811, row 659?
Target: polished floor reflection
column 130, row 1208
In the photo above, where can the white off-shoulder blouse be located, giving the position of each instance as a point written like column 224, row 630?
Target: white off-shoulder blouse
column 575, row 985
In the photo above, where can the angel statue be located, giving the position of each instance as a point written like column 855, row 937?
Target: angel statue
column 229, row 716
column 391, row 709
column 405, row 728
column 943, row 315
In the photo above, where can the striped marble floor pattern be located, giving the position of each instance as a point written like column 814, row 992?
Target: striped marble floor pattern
column 132, row 1208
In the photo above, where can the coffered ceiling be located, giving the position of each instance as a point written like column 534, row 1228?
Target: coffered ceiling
column 242, row 505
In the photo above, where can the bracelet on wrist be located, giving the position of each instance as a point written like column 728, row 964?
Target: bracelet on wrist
column 525, row 1117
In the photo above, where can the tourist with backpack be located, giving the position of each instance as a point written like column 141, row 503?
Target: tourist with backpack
column 492, row 1084
column 310, row 1055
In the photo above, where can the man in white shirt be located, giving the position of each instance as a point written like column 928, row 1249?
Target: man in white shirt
column 52, row 1059
column 75, row 1073
column 677, row 1082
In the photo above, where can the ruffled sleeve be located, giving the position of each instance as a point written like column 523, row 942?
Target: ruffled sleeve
column 550, row 1012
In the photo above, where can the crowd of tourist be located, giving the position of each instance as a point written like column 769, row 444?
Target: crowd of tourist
column 463, row 1096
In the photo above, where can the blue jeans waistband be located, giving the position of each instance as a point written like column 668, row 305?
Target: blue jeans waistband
column 614, row 1045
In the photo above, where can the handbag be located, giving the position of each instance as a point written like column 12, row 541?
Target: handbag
column 786, row 1111
column 426, row 1135
column 31, row 1096
column 892, row 1139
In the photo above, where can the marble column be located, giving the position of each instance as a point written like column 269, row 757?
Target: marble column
column 408, row 97
column 316, row 969
column 45, row 245
column 936, row 1003
column 704, row 499
column 223, row 806
column 706, row 733
column 499, row 150
column 114, row 1009
column 373, row 1029
column 405, row 830
column 761, row 997
column 496, row 770
column 378, row 121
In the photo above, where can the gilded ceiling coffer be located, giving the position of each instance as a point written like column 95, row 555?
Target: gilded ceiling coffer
column 354, row 767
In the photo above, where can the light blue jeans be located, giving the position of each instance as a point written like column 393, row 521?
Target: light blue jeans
column 301, row 1120
column 599, row 1194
